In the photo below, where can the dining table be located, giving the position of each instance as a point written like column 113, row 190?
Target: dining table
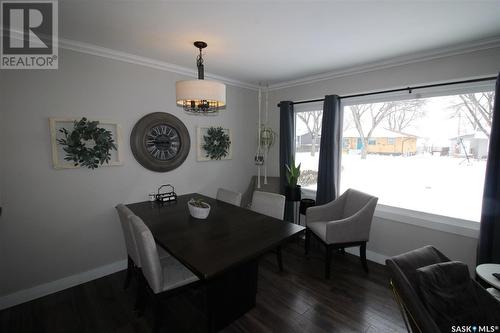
column 223, row 250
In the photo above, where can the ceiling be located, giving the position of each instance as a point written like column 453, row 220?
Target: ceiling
column 277, row 41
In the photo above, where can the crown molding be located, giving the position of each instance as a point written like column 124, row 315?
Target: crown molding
column 393, row 62
column 104, row 52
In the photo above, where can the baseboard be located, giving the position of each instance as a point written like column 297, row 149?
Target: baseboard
column 370, row 255
column 41, row 290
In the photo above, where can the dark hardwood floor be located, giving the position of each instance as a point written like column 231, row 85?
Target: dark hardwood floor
column 296, row 300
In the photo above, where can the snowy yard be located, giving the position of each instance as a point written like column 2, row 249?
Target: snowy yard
column 435, row 184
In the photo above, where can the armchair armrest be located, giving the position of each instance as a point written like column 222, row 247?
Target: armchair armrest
column 354, row 228
column 333, row 210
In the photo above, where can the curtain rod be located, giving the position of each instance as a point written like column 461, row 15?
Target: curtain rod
column 409, row 89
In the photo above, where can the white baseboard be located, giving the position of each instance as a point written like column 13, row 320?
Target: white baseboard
column 41, row 290
column 29, row 294
column 370, row 255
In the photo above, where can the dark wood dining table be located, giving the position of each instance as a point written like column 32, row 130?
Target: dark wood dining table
column 222, row 250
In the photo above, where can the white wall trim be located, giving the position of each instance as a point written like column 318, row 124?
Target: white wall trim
column 104, row 52
column 393, row 62
column 41, row 290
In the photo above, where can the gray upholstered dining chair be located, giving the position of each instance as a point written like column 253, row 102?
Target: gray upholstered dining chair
column 163, row 278
column 344, row 222
column 272, row 186
column 270, row 204
column 233, row 198
column 133, row 259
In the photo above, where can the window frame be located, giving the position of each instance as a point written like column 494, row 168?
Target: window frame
column 443, row 223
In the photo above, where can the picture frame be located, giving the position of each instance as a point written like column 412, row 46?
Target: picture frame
column 201, row 153
column 58, row 154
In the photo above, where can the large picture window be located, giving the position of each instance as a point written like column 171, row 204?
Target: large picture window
column 425, row 152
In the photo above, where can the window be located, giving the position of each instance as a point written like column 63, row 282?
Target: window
column 308, row 120
column 426, row 154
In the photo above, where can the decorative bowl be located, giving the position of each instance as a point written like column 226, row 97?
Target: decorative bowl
column 198, row 208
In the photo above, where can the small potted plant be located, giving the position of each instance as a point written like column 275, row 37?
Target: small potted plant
column 292, row 190
column 198, row 208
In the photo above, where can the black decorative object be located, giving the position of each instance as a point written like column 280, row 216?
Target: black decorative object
column 168, row 193
column 304, row 204
column 293, row 193
column 87, row 144
column 160, row 142
column 216, row 143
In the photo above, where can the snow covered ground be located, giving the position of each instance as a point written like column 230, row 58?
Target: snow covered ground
column 434, row 184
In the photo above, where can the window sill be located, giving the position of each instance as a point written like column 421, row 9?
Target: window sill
column 431, row 221
column 425, row 220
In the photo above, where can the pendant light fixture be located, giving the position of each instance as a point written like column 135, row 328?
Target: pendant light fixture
column 200, row 96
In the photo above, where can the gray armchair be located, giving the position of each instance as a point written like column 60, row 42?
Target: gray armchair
column 342, row 223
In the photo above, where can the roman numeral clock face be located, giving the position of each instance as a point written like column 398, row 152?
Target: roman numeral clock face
column 163, row 142
column 160, row 141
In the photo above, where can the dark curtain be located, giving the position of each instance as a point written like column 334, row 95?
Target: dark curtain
column 287, row 140
column 329, row 150
column 489, row 233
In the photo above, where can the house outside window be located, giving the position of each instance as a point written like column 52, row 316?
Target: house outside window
column 424, row 153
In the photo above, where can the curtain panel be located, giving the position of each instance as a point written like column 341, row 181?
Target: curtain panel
column 329, row 151
column 489, row 233
column 287, row 143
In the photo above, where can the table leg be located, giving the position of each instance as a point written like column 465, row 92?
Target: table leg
column 231, row 295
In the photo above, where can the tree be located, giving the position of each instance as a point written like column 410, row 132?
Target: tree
column 478, row 109
column 312, row 120
column 404, row 114
column 375, row 113
column 399, row 115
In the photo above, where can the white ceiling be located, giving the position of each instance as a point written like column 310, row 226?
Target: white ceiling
column 276, row 41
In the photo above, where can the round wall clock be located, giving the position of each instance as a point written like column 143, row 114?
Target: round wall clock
column 160, row 142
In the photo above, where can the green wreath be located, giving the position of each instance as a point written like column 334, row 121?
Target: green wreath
column 79, row 147
column 217, row 143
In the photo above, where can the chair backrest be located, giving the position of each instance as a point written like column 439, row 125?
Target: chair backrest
column 124, row 212
column 403, row 272
column 151, row 267
column 355, row 200
column 270, row 204
column 233, row 198
column 272, row 186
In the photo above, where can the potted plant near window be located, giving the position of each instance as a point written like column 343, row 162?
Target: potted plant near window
column 292, row 190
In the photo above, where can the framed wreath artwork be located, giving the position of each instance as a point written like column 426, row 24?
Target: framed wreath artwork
column 84, row 143
column 214, row 144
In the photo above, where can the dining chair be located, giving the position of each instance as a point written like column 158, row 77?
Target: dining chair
column 344, row 222
column 270, row 204
column 233, row 198
column 272, row 185
column 133, row 259
column 161, row 278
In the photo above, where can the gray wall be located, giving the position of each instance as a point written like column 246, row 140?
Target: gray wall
column 389, row 237
column 58, row 223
